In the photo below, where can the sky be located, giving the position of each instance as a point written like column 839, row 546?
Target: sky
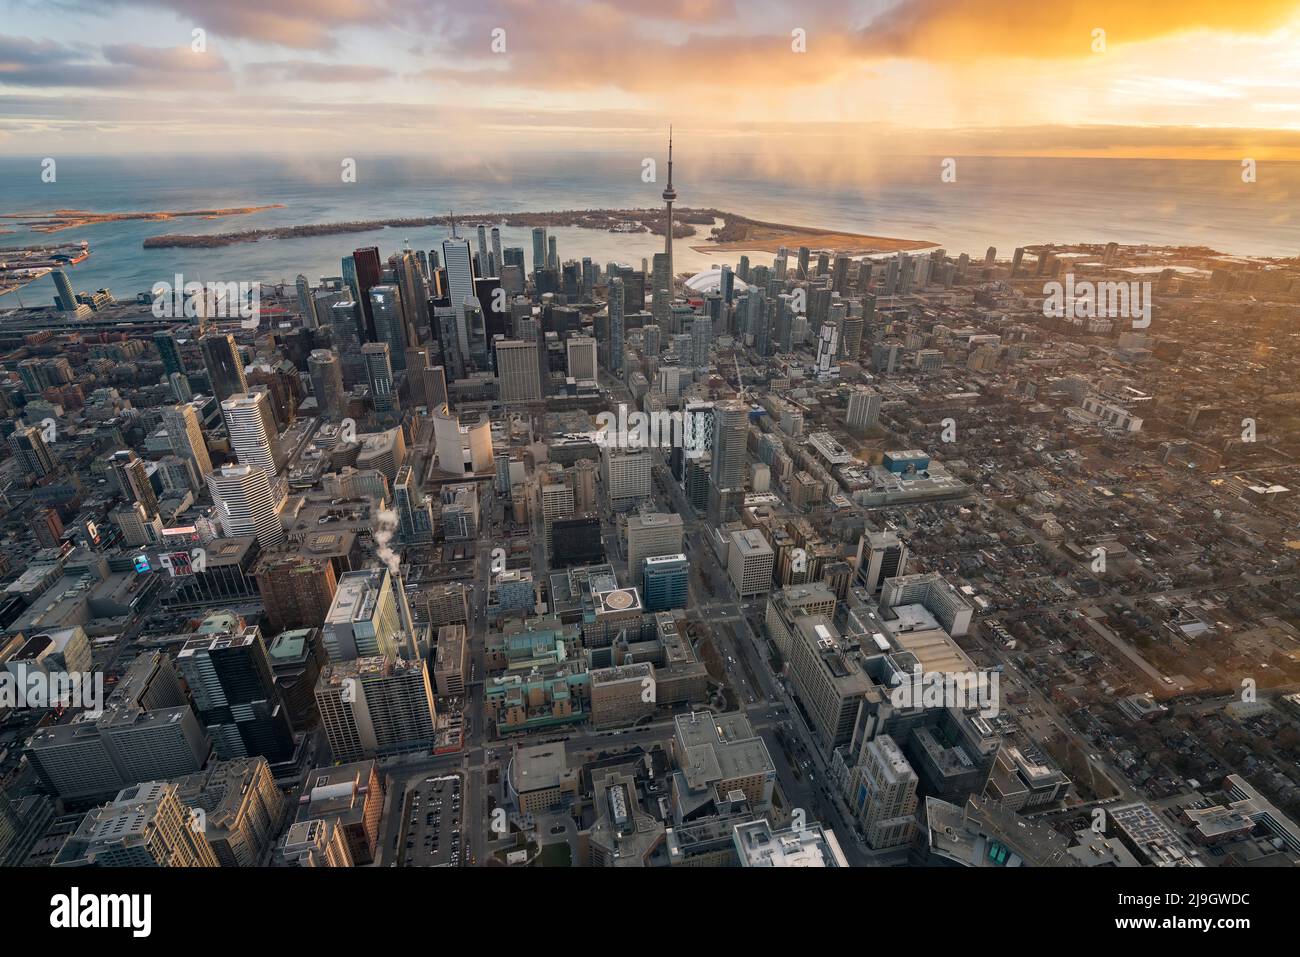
column 1187, row 79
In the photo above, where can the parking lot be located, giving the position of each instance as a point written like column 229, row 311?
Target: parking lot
column 431, row 832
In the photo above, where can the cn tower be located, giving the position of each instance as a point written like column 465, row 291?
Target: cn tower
column 670, row 195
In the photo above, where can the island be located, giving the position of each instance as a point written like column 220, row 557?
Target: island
column 61, row 219
column 735, row 232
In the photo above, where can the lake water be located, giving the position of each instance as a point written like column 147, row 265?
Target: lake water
column 1003, row 202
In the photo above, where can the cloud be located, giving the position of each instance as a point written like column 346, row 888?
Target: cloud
column 301, row 24
column 313, row 71
column 46, row 63
column 712, row 48
column 396, row 70
column 957, row 30
column 829, row 151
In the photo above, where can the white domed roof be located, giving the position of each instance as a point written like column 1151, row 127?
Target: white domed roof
column 710, row 281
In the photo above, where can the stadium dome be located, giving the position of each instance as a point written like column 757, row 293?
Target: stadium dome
column 711, row 281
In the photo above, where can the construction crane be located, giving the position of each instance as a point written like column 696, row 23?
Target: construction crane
column 741, row 391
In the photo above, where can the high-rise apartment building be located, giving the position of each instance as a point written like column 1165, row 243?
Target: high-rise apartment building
column 730, row 431
column 617, row 324
column 864, row 408
column 248, row 503
column 251, row 426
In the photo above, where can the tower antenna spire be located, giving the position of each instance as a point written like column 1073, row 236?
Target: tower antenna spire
column 670, row 157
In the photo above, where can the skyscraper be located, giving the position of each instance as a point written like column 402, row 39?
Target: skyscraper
column 701, row 340
column 327, row 383
column 650, row 535
column 666, row 582
column 376, row 705
column 252, row 430
column 518, row 375
column 435, row 387
column 346, row 339
column 627, row 476
column 881, row 555
column 460, row 285
column 146, row 825
column 165, row 342
column 365, row 618
column 30, row 450
column 297, row 589
column 248, row 503
column 225, row 367
column 133, row 481
column 229, row 675
column 864, row 408
column 415, row 522
column 369, row 273
column 730, row 429
column 185, row 436
column 616, row 324
column 484, row 264
column 306, row 305
column 883, row 791
column 65, row 298
column 379, row 371
column 581, row 358
column 390, row 312
column 496, row 253
column 539, row 248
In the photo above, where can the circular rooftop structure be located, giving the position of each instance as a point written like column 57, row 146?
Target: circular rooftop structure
column 711, row 281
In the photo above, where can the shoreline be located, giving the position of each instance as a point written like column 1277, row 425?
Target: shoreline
column 736, row 231
column 60, row 219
